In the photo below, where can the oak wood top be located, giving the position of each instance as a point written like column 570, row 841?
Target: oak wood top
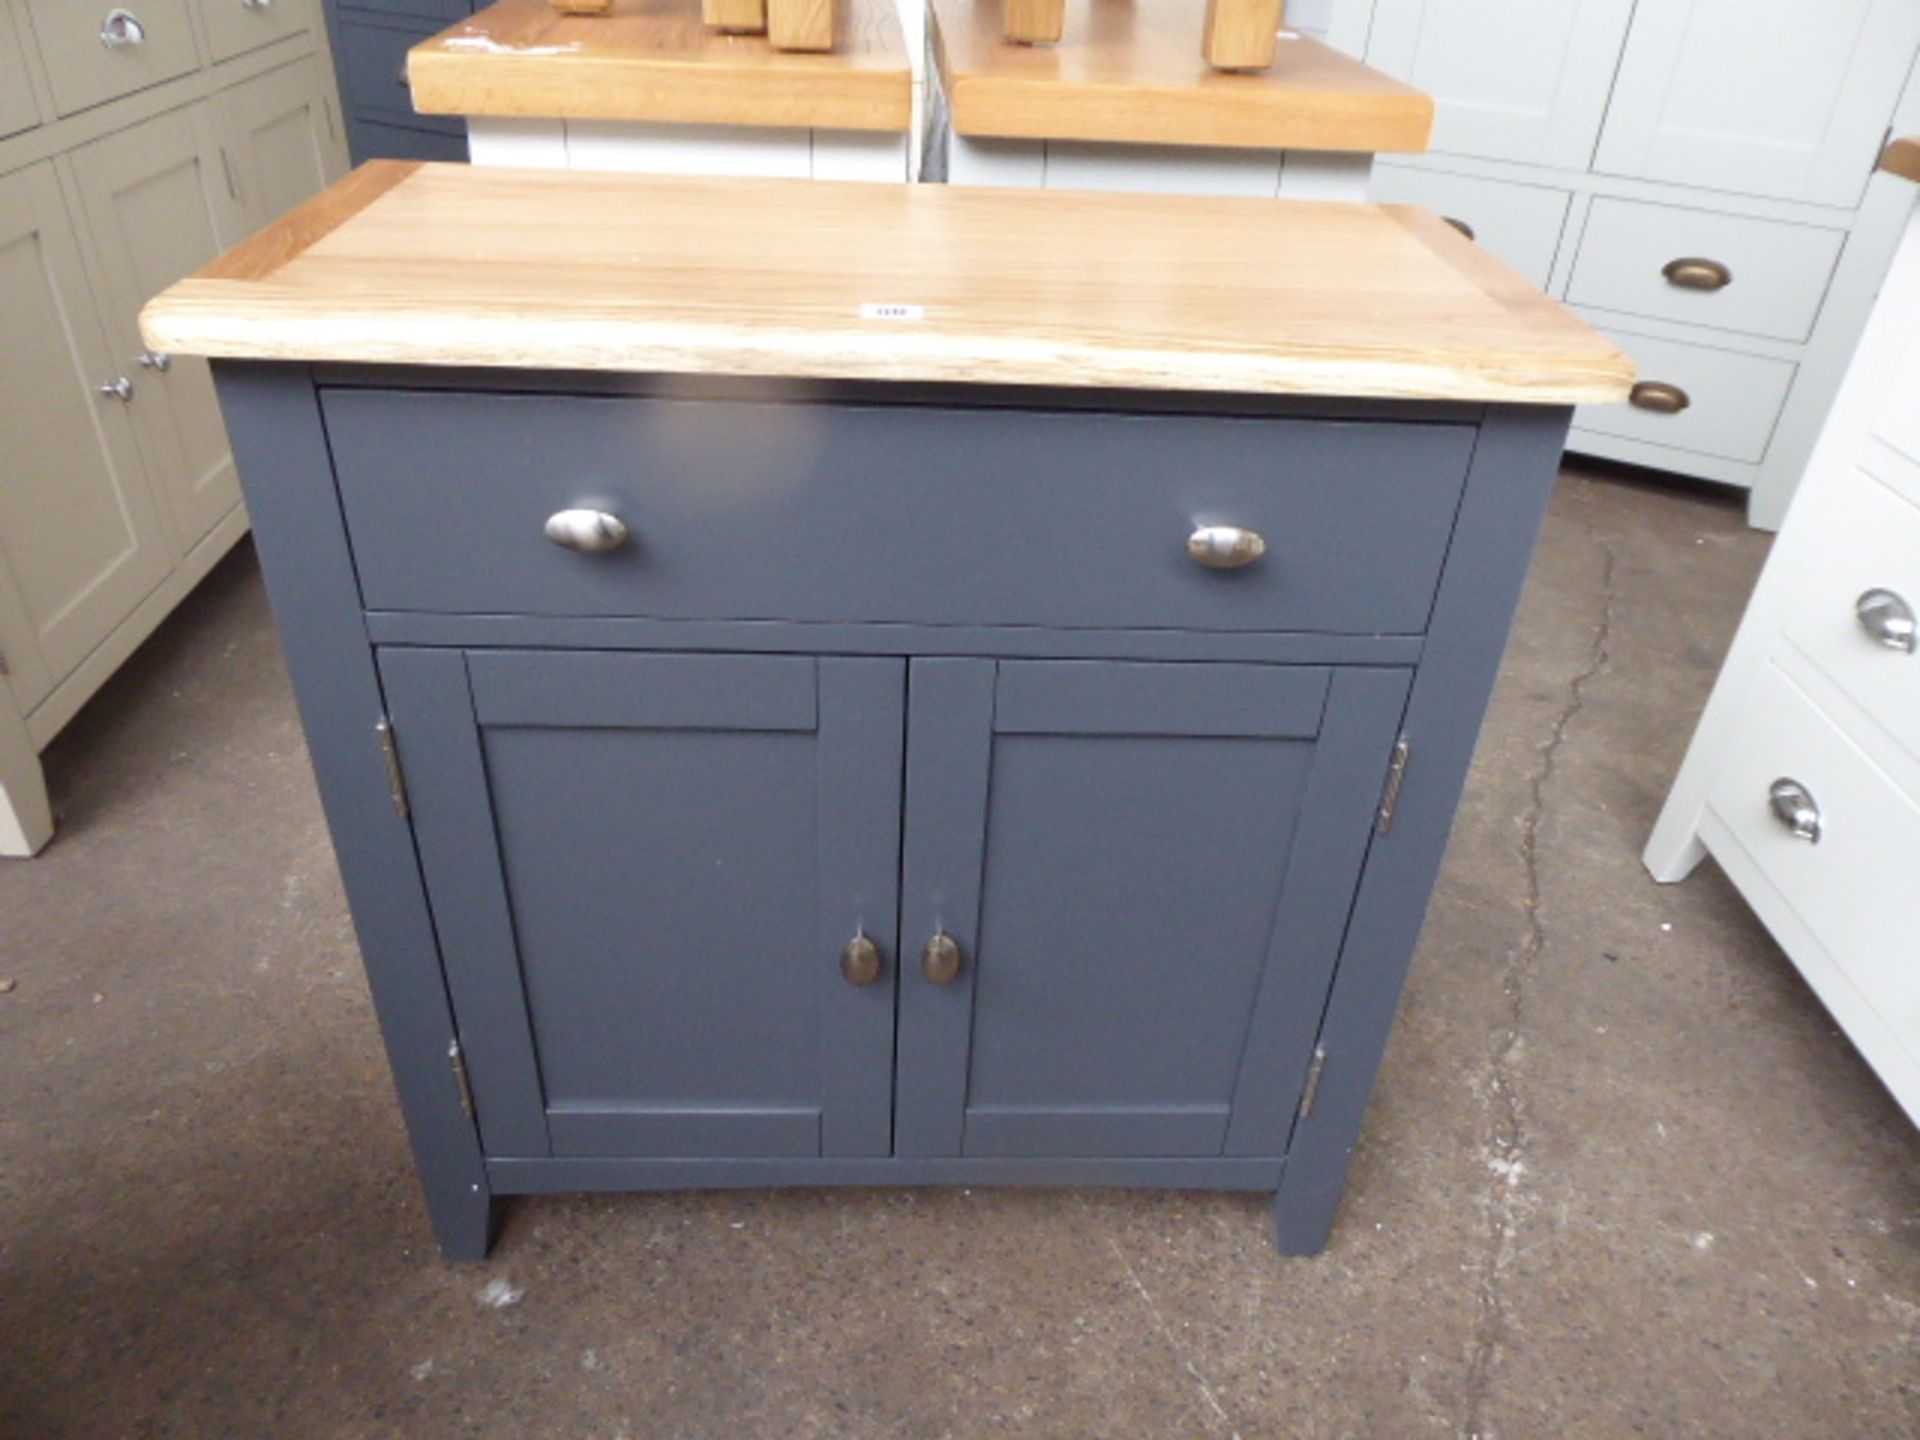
column 1132, row 70
column 655, row 60
column 1902, row 158
column 542, row 269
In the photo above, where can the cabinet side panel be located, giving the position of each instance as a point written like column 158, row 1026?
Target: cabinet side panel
column 281, row 450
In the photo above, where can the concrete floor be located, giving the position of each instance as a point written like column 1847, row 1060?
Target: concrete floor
column 1622, row 1175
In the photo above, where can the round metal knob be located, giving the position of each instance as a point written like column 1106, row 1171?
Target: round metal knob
column 860, row 962
column 1690, row 272
column 256, row 4
column 1887, row 618
column 1225, row 547
column 940, row 962
column 1794, row 807
column 119, row 388
column 121, row 29
column 156, row 360
column 592, row 532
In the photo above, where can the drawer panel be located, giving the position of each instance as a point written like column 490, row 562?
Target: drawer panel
column 1869, row 538
column 372, row 60
column 1733, row 399
column 1852, row 889
column 1519, row 223
column 18, row 110
column 236, row 26
column 853, row 513
column 1777, row 272
column 156, row 44
column 371, row 138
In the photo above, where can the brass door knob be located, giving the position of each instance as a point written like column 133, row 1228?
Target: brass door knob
column 1691, row 272
column 1659, row 397
column 940, row 962
column 860, row 962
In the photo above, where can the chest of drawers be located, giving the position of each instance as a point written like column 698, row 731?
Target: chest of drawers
column 939, row 769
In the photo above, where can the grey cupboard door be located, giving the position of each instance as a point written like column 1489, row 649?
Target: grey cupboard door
column 82, row 535
column 18, row 109
column 158, row 207
column 643, row 869
column 284, row 138
column 1146, row 869
column 1523, row 80
column 1763, row 97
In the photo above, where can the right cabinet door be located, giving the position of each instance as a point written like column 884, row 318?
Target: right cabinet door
column 1143, row 871
column 1763, row 97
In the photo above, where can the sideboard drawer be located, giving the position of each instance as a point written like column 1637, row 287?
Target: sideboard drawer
column 1869, row 541
column 1730, row 401
column 852, row 513
column 1521, row 224
column 1847, row 888
column 1699, row 267
column 96, row 52
column 234, row 27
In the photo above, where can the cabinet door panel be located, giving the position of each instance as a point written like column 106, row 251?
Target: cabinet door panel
column 82, row 535
column 1765, row 97
column 281, row 130
column 643, row 870
column 17, row 108
column 1523, row 80
column 158, row 208
column 1134, row 859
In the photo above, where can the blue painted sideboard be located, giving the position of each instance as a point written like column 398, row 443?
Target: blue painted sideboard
column 890, row 781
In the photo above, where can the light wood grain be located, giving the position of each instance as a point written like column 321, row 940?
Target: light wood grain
column 657, row 60
column 1902, row 158
column 583, row 7
column 800, row 24
column 462, row 265
column 1131, row 72
column 738, row 17
column 1241, row 34
column 1032, row 22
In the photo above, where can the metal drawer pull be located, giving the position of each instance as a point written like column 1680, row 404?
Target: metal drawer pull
column 860, row 962
column 121, row 29
column 1225, row 547
column 592, row 532
column 1887, row 618
column 256, row 4
column 940, row 961
column 119, row 388
column 156, row 360
column 1460, row 225
column 1659, row 397
column 1690, row 272
column 1796, row 809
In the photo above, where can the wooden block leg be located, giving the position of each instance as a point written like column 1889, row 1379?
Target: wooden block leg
column 747, row 17
column 1034, row 22
column 800, row 24
column 26, row 820
column 1241, row 34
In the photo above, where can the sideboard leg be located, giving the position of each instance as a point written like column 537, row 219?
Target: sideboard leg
column 1674, row 848
column 1303, row 1217
column 26, row 820
column 463, row 1218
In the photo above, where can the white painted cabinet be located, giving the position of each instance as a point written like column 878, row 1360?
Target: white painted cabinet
column 1691, row 175
column 1803, row 779
column 1763, row 97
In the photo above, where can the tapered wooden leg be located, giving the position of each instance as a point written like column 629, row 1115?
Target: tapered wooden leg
column 26, row 820
column 800, row 24
column 1241, row 34
column 743, row 17
column 1034, row 22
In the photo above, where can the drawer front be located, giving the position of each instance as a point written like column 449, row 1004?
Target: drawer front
column 439, row 11
column 373, row 71
column 1731, row 400
column 237, row 26
column 847, row 513
column 1853, row 887
column 18, row 110
column 371, row 138
column 1519, row 223
column 1869, row 539
column 97, row 51
column 1695, row 267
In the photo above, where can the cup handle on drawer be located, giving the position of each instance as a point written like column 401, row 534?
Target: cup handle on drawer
column 1659, row 397
column 1691, row 272
column 1888, row 618
column 1226, row 547
column 591, row 532
column 122, row 29
column 1794, row 806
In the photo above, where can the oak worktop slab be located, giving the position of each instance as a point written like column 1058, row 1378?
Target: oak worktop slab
column 654, row 60
column 1133, row 72
column 456, row 265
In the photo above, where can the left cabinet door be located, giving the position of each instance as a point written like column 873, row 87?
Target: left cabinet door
column 644, row 869
column 77, row 520
column 158, row 206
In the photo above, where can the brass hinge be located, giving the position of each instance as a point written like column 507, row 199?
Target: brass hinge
column 1396, row 776
column 1310, row 1092
column 396, row 781
column 457, row 1059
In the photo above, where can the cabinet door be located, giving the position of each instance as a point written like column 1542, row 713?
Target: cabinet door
column 285, row 141
column 158, row 207
column 1765, row 97
column 1521, row 80
column 77, row 520
column 643, row 871
column 1146, row 869
column 17, row 108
